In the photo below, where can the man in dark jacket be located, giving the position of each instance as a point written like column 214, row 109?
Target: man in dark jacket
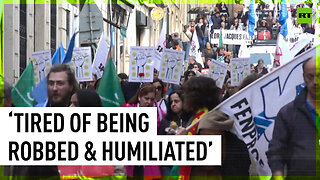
column 216, row 20
column 295, row 138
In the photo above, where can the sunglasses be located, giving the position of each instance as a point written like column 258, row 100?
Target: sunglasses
column 159, row 88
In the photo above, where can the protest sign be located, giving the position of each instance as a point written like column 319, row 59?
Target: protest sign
column 232, row 37
column 81, row 63
column 171, row 66
column 141, row 64
column 41, row 64
column 218, row 71
column 240, row 69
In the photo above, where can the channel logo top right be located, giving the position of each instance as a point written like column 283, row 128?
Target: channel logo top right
column 304, row 15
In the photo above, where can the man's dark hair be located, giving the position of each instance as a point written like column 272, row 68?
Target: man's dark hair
column 260, row 61
column 123, row 76
column 65, row 68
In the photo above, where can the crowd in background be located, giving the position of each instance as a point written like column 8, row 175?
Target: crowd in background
column 220, row 17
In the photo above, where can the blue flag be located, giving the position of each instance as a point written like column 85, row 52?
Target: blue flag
column 283, row 19
column 68, row 56
column 252, row 21
column 40, row 94
column 62, row 53
column 111, row 36
column 56, row 57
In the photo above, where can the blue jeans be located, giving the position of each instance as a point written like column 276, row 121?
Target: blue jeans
column 205, row 40
column 186, row 48
column 236, row 50
column 201, row 43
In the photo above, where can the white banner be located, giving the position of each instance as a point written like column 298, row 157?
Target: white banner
column 141, row 64
column 171, row 66
column 240, row 69
column 41, row 64
column 100, row 57
column 81, row 63
column 255, row 107
column 97, row 136
column 232, row 37
column 218, row 71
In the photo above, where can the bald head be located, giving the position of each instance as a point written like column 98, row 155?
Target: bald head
column 309, row 75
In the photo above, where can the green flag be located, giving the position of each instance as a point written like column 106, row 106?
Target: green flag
column 109, row 89
column 220, row 38
column 21, row 93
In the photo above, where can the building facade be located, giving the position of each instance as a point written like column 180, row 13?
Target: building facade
column 37, row 27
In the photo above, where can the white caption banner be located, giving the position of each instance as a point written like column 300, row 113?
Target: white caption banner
column 107, row 136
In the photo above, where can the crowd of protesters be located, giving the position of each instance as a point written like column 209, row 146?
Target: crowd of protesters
column 177, row 105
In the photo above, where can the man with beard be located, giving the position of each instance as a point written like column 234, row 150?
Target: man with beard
column 61, row 84
column 296, row 131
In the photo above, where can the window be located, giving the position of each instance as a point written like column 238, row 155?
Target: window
column 23, row 36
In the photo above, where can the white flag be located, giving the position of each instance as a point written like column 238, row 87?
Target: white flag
column 162, row 39
column 255, row 107
column 194, row 48
column 243, row 51
column 282, row 53
column 161, row 45
column 286, row 54
column 100, row 57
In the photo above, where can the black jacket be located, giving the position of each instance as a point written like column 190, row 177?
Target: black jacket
column 294, row 140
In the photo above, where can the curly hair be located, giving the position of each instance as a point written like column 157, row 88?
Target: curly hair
column 201, row 92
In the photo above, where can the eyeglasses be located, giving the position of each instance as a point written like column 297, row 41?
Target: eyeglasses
column 159, row 88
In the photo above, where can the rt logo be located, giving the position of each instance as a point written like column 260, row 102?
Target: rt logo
column 304, row 15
